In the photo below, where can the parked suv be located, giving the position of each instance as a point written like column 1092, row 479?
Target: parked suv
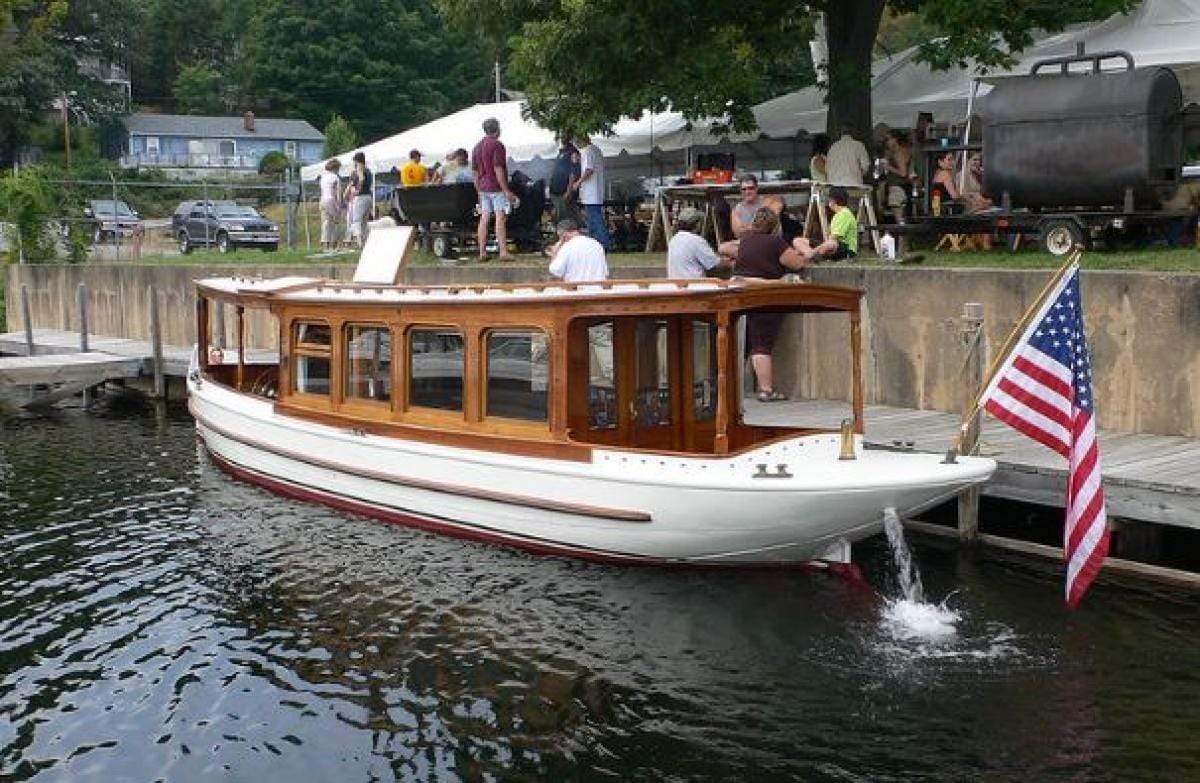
column 108, row 219
column 226, row 224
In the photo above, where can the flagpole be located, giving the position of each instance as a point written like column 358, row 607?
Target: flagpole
column 997, row 362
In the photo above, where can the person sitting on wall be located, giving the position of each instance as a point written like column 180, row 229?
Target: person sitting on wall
column 843, row 233
column 763, row 253
column 577, row 257
column 743, row 212
column 688, row 254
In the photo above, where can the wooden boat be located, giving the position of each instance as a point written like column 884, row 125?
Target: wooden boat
column 602, row 421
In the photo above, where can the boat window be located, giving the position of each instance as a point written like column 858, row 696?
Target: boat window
column 518, row 373
column 312, row 357
column 602, row 379
column 313, row 334
column 435, row 373
column 368, row 363
column 652, row 378
column 704, row 370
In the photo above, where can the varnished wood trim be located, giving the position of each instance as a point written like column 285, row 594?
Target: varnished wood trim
column 621, row 515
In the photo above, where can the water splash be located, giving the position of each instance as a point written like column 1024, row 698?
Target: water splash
column 910, row 617
column 906, row 571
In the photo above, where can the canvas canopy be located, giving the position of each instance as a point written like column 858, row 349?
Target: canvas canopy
column 632, row 141
column 1159, row 32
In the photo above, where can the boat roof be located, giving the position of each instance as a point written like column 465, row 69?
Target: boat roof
column 310, row 290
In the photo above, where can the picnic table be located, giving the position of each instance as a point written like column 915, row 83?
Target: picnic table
column 816, row 219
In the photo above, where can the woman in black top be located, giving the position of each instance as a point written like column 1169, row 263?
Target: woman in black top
column 763, row 253
column 363, row 182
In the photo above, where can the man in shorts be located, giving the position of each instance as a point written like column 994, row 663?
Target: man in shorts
column 843, row 233
column 489, row 163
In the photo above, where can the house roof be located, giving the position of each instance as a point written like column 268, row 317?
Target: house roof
column 220, row 127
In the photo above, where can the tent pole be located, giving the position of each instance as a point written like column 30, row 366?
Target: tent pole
column 962, row 177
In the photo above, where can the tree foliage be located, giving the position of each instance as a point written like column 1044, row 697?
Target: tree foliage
column 340, row 136
column 198, row 90
column 383, row 65
column 586, row 64
column 26, row 204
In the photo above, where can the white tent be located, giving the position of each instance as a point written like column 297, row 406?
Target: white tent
column 1159, row 32
column 642, row 139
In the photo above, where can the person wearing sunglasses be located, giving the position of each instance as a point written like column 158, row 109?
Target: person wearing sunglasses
column 744, row 211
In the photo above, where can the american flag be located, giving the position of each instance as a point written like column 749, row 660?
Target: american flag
column 1044, row 390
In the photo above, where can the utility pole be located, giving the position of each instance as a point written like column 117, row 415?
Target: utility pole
column 66, row 118
column 497, row 81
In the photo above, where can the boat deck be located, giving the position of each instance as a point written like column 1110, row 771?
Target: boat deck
column 1152, row 478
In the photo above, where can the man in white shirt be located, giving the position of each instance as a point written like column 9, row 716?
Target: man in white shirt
column 577, row 258
column 847, row 161
column 591, row 189
column 688, row 254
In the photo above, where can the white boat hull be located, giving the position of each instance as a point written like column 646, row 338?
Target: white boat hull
column 623, row 506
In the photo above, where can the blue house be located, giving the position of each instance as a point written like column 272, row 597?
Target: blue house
column 191, row 144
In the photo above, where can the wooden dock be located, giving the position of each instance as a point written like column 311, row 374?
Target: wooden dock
column 1150, row 478
column 56, row 342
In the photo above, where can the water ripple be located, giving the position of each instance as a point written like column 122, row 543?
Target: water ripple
column 160, row 621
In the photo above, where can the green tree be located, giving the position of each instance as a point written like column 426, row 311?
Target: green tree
column 586, row 64
column 28, row 70
column 383, row 65
column 176, row 34
column 26, row 203
column 198, row 90
column 339, row 136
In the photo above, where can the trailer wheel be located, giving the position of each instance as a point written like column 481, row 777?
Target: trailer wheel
column 443, row 247
column 1059, row 237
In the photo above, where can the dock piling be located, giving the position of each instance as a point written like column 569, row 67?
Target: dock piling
column 27, row 319
column 81, row 303
column 156, row 349
column 972, row 333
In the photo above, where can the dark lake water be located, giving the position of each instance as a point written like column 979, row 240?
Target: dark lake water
column 159, row 621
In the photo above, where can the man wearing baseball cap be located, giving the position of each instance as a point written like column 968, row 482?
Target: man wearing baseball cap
column 689, row 254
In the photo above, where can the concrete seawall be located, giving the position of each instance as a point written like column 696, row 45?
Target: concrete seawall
column 1144, row 328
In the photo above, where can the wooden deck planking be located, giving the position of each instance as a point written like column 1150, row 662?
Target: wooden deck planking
column 52, row 342
column 1155, row 478
column 70, row 368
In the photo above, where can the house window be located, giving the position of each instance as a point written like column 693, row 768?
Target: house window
column 152, row 146
column 518, row 372
column 368, row 363
column 226, row 148
column 435, row 369
column 289, row 149
column 311, row 349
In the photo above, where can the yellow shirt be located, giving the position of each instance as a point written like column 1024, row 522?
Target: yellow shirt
column 412, row 174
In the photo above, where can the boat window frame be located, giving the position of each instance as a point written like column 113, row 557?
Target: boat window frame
column 310, row 350
column 348, row 401
column 418, row 413
column 541, row 425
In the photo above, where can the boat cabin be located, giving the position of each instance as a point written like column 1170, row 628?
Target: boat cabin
column 541, row 369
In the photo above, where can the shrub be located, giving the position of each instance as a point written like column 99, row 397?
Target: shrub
column 26, row 206
column 274, row 162
column 340, row 136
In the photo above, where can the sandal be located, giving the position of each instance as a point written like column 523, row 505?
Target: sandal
column 771, row 396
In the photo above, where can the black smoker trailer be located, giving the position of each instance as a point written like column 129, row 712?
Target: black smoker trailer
column 1077, row 156
column 447, row 215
